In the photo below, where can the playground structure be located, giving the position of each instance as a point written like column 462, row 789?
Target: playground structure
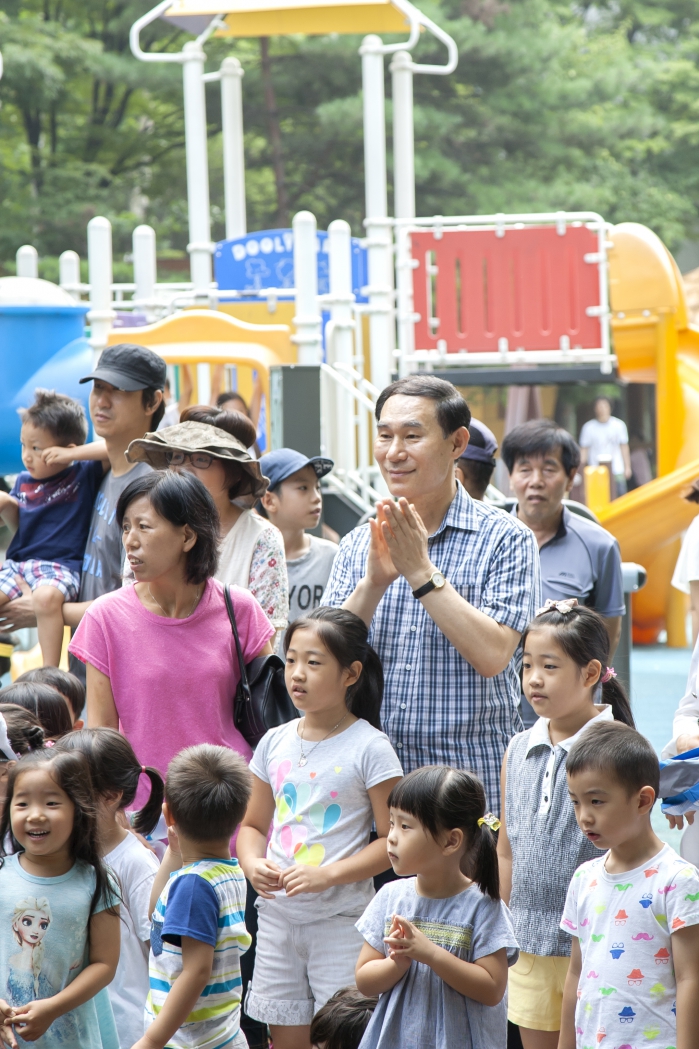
column 522, row 299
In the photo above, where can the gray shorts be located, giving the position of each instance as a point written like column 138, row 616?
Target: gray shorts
column 298, row 967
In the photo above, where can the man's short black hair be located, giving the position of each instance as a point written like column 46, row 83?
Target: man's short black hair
column 452, row 411
column 181, row 499
column 620, row 751
column 539, row 437
column 147, row 398
column 208, row 789
column 61, row 416
column 478, row 474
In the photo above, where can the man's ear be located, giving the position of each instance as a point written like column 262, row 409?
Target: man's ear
column 157, row 400
column 571, row 479
column 460, row 439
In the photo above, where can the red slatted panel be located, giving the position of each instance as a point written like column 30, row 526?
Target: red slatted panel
column 531, row 287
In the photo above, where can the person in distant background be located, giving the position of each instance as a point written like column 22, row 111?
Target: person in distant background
column 605, row 435
column 475, row 467
column 231, row 401
column 686, row 574
column 293, row 502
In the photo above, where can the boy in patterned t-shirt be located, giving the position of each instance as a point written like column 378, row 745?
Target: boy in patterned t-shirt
column 198, row 929
column 633, row 913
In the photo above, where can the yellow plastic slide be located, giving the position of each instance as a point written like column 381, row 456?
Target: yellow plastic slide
column 655, row 343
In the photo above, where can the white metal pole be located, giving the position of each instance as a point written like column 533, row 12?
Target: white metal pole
column 404, row 198
column 233, row 147
column 307, row 321
column 379, row 239
column 144, row 266
column 341, row 346
column 99, row 261
column 27, row 261
column 69, row 272
column 196, row 145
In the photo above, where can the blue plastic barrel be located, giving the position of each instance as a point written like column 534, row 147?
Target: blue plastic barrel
column 42, row 343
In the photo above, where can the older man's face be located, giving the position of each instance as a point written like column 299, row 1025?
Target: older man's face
column 540, row 484
column 414, row 455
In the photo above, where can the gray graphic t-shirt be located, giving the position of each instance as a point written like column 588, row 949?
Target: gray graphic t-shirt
column 308, row 576
column 422, row 1011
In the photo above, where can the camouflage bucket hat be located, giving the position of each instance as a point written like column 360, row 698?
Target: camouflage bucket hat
column 191, row 437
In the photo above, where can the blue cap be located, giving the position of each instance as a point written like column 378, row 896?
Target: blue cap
column 482, row 446
column 283, row 462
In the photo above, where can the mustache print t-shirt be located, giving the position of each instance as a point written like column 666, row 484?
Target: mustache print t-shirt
column 625, row 923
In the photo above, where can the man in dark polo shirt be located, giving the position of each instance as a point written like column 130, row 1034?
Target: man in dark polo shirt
column 578, row 557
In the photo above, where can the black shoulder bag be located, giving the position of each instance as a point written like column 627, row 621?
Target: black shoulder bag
column 261, row 699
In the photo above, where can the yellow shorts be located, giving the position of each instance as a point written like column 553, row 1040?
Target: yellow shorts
column 535, row 991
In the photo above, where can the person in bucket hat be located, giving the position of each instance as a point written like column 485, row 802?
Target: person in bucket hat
column 213, row 446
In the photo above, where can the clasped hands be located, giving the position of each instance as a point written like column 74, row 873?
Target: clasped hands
column 406, row 943
column 398, row 546
column 267, row 878
column 34, row 1019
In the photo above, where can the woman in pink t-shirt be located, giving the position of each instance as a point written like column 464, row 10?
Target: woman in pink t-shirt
column 160, row 655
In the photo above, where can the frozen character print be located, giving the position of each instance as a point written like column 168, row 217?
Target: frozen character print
column 26, row 978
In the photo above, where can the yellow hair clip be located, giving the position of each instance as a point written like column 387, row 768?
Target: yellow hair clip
column 490, row 821
column 6, row 650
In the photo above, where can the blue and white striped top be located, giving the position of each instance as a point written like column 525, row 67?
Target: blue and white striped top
column 204, row 901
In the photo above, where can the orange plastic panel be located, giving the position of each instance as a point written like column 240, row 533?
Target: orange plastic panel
column 530, row 286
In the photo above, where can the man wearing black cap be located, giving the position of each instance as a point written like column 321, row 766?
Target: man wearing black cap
column 126, row 401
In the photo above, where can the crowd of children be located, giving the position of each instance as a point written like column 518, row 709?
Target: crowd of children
column 125, row 890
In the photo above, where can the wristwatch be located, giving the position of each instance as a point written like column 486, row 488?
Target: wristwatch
column 435, row 582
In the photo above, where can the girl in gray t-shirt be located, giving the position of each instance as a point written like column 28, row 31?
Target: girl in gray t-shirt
column 438, row 945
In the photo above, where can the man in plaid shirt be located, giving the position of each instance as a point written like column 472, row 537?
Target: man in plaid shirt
column 446, row 584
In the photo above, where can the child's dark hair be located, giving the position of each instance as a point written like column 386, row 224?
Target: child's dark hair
column 342, row 1021
column 61, row 416
column 71, row 772
column 46, row 703
column 621, row 751
column 115, row 767
column 582, row 635
column 208, row 789
column 442, row 799
column 23, row 729
column 345, row 636
column 70, row 686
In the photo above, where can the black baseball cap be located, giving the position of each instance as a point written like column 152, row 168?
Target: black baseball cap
column 130, row 367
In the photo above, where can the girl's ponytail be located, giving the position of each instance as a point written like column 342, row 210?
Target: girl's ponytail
column 146, row 819
column 443, row 799
column 116, row 769
column 613, row 692
column 345, row 636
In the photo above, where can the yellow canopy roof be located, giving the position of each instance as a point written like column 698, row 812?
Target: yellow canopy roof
column 285, row 17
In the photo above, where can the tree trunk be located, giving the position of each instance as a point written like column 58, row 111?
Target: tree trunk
column 275, row 136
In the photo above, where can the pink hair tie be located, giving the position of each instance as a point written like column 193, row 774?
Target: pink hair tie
column 143, row 769
column 609, row 673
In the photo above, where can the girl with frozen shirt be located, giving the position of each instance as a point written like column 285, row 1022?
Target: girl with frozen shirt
column 438, row 945
column 59, row 914
column 115, row 775
column 160, row 655
column 321, row 782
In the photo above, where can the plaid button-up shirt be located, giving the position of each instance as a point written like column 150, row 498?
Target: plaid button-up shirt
column 437, row 710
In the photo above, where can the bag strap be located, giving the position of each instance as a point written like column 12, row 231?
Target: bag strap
column 244, row 683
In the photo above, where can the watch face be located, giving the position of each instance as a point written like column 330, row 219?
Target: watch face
column 438, row 579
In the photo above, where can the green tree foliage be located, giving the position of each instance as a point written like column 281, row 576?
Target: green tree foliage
column 594, row 106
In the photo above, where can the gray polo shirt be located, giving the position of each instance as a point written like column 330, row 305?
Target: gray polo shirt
column 582, row 560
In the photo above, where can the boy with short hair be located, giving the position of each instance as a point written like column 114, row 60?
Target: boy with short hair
column 49, row 509
column 633, row 913
column 198, row 906
column 342, row 1021
column 293, row 502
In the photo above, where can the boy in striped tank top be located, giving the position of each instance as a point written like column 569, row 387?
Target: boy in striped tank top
column 198, row 930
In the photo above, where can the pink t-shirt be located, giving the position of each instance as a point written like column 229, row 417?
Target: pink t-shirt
column 173, row 680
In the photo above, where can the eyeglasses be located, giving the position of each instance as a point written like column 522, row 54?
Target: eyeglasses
column 199, row 460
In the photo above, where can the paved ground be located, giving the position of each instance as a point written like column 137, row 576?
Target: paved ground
column 658, row 679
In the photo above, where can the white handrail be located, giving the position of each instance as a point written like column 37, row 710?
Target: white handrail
column 135, row 34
